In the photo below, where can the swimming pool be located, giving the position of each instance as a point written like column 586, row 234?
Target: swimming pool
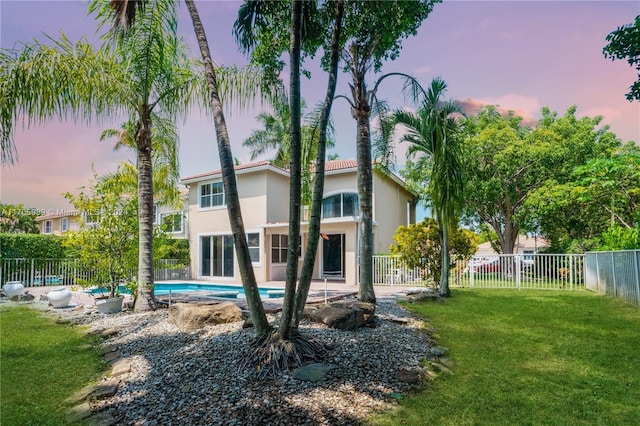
column 216, row 290
column 212, row 290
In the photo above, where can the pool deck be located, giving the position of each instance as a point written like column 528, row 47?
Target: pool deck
column 320, row 292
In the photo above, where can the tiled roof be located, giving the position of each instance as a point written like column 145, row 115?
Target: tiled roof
column 236, row 168
column 57, row 213
column 330, row 166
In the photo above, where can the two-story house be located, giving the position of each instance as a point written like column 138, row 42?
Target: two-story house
column 264, row 201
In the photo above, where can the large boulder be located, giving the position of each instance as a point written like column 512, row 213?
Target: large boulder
column 191, row 317
column 343, row 315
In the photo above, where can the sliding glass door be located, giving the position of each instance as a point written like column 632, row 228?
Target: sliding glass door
column 216, row 256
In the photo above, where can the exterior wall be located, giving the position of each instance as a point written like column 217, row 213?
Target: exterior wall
column 256, row 209
column 56, row 224
column 392, row 206
column 264, row 200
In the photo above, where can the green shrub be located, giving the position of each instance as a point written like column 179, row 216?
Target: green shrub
column 31, row 246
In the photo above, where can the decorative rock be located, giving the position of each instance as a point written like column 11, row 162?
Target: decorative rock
column 343, row 315
column 442, row 368
column 101, row 419
column 106, row 389
column 438, row 351
column 112, row 356
column 191, row 317
column 311, row 372
column 79, row 412
column 109, row 348
column 121, row 366
column 412, row 375
column 109, row 332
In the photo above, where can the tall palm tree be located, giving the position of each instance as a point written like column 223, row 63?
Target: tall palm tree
column 433, row 132
column 166, row 169
column 140, row 71
column 275, row 134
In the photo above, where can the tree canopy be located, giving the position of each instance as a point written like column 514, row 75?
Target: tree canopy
column 624, row 43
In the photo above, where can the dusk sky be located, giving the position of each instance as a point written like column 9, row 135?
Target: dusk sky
column 521, row 56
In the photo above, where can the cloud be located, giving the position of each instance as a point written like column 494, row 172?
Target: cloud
column 608, row 113
column 527, row 107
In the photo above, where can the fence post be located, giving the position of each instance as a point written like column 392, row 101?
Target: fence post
column 32, row 274
column 635, row 261
column 517, row 262
column 571, row 272
column 471, row 272
column 613, row 273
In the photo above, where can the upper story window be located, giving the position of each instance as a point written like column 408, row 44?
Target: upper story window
column 212, row 195
column 340, row 205
column 48, row 226
column 155, row 214
column 64, row 224
column 171, row 222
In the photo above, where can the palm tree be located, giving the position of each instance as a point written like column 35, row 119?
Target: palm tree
column 275, row 134
column 433, row 132
column 138, row 72
column 166, row 169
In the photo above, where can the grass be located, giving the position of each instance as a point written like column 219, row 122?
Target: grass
column 530, row 358
column 42, row 363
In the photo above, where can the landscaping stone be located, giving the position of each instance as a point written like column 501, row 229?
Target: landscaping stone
column 343, row 315
column 106, row 389
column 78, row 413
column 112, row 356
column 438, row 351
column 312, row 372
column 121, row 366
column 191, row 317
column 412, row 375
column 109, row 332
column 109, row 348
column 100, row 419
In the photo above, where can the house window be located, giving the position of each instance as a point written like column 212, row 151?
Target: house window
column 155, row 214
column 212, row 195
column 171, row 222
column 64, row 224
column 90, row 218
column 279, row 246
column 216, row 256
column 48, row 226
column 340, row 205
column 253, row 240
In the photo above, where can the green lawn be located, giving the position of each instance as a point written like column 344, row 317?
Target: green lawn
column 530, row 358
column 41, row 364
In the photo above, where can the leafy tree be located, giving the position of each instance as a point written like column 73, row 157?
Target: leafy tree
column 433, row 132
column 601, row 196
column 17, row 219
column 419, row 245
column 373, row 33
column 109, row 244
column 624, row 43
column 505, row 163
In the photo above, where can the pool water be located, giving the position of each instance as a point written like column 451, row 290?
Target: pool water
column 216, row 290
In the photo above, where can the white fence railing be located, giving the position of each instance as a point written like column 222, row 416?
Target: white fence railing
column 39, row 272
column 534, row 271
column 616, row 273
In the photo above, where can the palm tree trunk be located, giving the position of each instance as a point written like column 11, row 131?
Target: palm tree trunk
column 361, row 112
column 295, row 171
column 318, row 186
column 254, row 302
column 444, row 274
column 145, row 300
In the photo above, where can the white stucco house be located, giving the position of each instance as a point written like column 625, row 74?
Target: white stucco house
column 264, row 201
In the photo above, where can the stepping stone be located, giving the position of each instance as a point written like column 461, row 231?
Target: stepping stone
column 78, row 413
column 112, row 356
column 81, row 395
column 109, row 348
column 311, row 372
column 100, row 419
column 398, row 320
column 121, row 366
column 442, row 368
column 106, row 389
column 109, row 332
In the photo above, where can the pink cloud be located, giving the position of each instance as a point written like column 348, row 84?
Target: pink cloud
column 522, row 106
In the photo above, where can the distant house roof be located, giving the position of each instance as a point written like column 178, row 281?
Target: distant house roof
column 58, row 213
column 524, row 242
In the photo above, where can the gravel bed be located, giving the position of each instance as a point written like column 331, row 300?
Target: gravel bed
column 193, row 378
